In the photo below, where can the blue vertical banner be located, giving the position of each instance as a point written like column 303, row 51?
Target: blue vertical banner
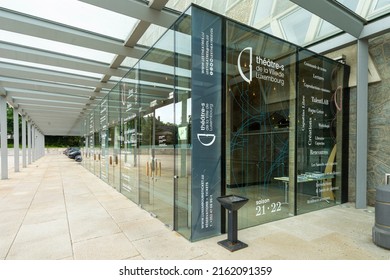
column 206, row 123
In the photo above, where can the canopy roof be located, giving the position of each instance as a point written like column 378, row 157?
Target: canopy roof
column 58, row 59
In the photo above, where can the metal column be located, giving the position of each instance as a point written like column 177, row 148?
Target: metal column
column 33, row 143
column 29, row 141
column 16, row 139
column 4, row 147
column 24, row 159
column 361, row 124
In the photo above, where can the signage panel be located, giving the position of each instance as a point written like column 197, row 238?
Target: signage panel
column 319, row 104
column 206, row 123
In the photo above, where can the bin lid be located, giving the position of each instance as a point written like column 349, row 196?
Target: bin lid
column 383, row 193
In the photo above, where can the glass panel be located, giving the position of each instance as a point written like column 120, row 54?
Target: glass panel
column 114, row 137
column 350, row 4
column 319, row 117
column 326, row 29
column 158, row 131
column 206, row 123
column 76, row 13
column 295, row 25
column 262, row 12
column 183, row 124
column 53, row 68
column 89, row 143
column 97, row 150
column 104, row 158
column 379, row 8
column 131, row 135
column 381, row 3
column 58, row 47
column 259, row 134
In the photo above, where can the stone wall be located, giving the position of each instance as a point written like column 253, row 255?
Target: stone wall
column 378, row 158
column 378, row 161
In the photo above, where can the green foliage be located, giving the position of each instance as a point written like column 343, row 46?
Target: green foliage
column 50, row 141
column 62, row 141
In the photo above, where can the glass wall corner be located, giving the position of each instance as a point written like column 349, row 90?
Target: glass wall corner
column 218, row 108
column 206, row 122
column 260, row 131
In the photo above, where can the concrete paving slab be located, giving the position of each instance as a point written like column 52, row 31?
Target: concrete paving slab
column 56, row 209
column 108, row 247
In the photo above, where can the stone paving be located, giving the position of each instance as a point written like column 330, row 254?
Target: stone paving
column 57, row 210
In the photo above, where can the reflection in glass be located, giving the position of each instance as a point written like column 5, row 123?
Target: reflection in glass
column 156, row 124
column 183, row 114
column 258, row 123
column 320, row 138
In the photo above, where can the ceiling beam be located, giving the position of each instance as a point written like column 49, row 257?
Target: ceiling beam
column 47, row 95
column 27, row 101
column 17, row 52
column 47, row 87
column 335, row 13
column 32, row 73
column 137, row 9
column 371, row 30
column 27, row 25
column 135, row 35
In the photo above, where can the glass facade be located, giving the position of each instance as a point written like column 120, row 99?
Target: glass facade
column 260, row 131
column 217, row 108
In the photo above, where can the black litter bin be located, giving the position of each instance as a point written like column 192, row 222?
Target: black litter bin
column 232, row 203
column 381, row 229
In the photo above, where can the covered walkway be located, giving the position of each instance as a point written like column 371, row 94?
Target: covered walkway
column 56, row 210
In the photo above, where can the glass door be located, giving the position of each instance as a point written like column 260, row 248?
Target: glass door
column 183, row 165
column 129, row 159
column 183, row 152
column 156, row 159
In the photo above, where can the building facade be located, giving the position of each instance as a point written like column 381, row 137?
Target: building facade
column 218, row 108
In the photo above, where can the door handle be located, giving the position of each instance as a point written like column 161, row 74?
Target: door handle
column 175, row 177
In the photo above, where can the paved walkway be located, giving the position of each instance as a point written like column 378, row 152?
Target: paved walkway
column 56, row 209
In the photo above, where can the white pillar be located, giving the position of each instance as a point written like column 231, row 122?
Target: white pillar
column 24, row 159
column 16, row 140
column 33, row 143
column 3, row 136
column 29, row 141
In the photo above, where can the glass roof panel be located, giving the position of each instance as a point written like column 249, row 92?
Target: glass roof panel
column 263, row 12
column 368, row 9
column 350, row 4
column 296, row 25
column 379, row 8
column 51, row 46
column 77, row 14
column 381, row 4
column 326, row 29
column 52, row 68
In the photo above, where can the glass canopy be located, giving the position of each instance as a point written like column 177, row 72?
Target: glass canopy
column 92, row 44
column 76, row 14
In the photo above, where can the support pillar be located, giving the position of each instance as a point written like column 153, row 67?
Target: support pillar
column 3, row 136
column 16, row 139
column 29, row 142
column 33, row 140
column 24, row 152
column 362, row 124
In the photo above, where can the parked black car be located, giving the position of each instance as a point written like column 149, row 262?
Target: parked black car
column 74, row 152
